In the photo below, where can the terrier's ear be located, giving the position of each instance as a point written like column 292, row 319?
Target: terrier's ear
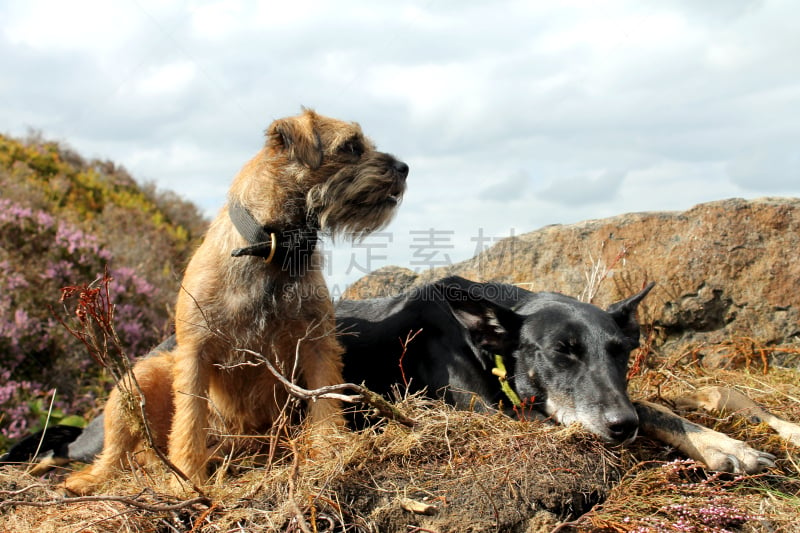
column 298, row 137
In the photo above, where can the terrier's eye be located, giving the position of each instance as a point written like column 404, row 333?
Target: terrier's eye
column 352, row 148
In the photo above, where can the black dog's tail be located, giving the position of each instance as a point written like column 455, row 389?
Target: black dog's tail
column 55, row 438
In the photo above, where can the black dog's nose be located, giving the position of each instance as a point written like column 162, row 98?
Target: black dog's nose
column 401, row 168
column 622, row 427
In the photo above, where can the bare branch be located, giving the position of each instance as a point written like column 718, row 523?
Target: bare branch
column 404, row 343
column 121, row 499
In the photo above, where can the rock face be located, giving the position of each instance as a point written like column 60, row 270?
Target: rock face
column 726, row 271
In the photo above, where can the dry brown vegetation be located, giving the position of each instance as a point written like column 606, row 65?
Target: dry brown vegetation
column 461, row 471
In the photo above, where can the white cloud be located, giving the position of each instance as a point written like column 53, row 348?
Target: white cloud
column 606, row 32
column 582, row 190
column 766, row 168
column 514, row 186
column 50, row 25
column 168, row 78
column 216, row 20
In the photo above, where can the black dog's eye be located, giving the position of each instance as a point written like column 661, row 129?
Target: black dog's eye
column 570, row 347
column 354, row 148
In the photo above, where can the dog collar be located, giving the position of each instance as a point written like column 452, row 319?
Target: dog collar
column 289, row 247
column 499, row 370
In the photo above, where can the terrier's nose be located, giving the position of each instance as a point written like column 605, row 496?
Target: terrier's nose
column 401, row 168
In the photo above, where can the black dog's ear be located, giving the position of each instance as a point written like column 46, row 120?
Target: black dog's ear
column 297, row 136
column 491, row 326
column 624, row 312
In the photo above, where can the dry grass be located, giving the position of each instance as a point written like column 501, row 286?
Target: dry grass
column 472, row 472
column 680, row 496
column 664, row 492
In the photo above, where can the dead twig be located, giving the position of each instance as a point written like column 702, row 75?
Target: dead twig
column 20, row 491
column 197, row 523
column 120, row 499
column 404, row 343
column 599, row 271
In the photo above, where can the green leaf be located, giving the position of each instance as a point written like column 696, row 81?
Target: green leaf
column 73, row 420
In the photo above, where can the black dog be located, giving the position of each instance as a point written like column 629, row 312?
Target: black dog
column 489, row 345
column 561, row 358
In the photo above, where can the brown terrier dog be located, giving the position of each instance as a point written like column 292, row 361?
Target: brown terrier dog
column 255, row 284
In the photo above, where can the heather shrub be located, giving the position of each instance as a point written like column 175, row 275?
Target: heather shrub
column 38, row 256
column 63, row 222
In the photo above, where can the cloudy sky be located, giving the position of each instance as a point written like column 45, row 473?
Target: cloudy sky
column 511, row 114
